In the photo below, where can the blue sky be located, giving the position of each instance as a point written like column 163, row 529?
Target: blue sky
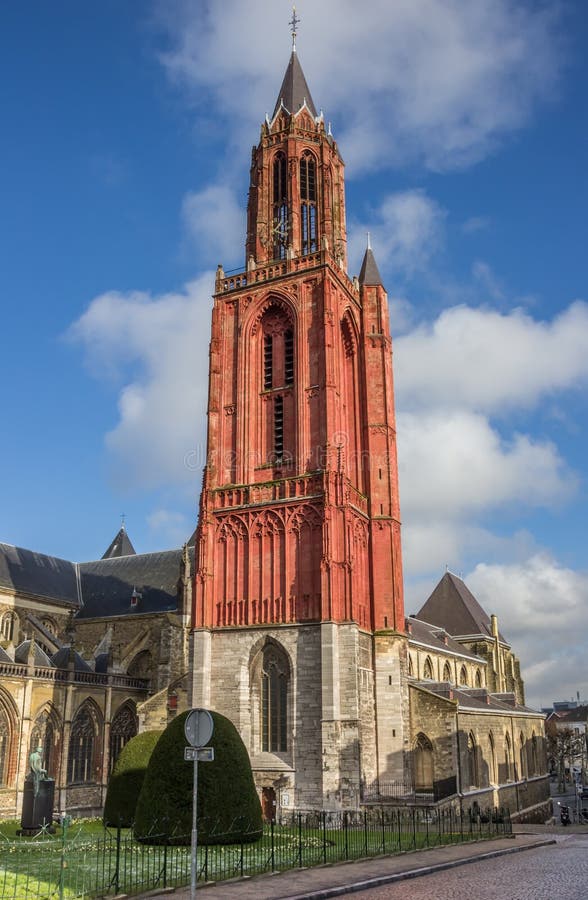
column 125, row 145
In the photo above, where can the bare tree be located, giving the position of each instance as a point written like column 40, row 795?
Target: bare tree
column 566, row 748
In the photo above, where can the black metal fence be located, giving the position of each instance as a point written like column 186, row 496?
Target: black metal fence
column 76, row 864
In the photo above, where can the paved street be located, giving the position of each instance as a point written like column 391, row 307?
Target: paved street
column 560, row 870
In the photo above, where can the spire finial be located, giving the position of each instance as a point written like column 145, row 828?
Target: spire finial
column 122, row 520
column 293, row 23
column 369, row 242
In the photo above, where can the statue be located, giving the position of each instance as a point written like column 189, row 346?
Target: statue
column 37, row 770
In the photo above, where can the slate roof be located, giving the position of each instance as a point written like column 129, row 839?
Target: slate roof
column 4, row 657
column 21, row 654
column 61, row 660
column 107, row 584
column 121, row 545
column 474, row 699
column 428, row 634
column 452, row 606
column 294, row 90
column 35, row 573
column 369, row 273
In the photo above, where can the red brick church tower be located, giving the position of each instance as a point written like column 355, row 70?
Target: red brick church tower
column 298, row 610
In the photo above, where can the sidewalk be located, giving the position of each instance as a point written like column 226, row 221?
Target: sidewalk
column 344, row 878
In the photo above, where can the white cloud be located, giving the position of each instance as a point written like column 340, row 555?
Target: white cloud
column 214, row 220
column 543, row 611
column 169, row 527
column 406, row 229
column 480, row 359
column 155, row 350
column 432, row 81
column 457, row 465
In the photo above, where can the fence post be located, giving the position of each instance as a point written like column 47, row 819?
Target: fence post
column 273, row 845
column 345, row 832
column 427, row 814
column 414, row 828
column 399, row 830
column 365, row 833
column 324, row 837
column 116, row 879
column 383, row 830
column 300, row 840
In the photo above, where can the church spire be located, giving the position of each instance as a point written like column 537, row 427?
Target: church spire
column 294, row 91
column 369, row 273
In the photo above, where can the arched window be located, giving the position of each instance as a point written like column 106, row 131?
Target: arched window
column 428, row 669
column 522, row 757
column 410, row 667
column 351, row 439
column 492, row 769
column 270, row 681
column 472, row 762
column 463, row 676
column 308, row 212
column 478, row 681
column 5, row 735
column 534, row 755
column 280, row 222
column 49, row 625
column 447, row 672
column 8, row 626
column 278, row 409
column 274, row 703
column 423, row 764
column 44, row 735
column 82, row 746
column 507, row 758
column 123, row 728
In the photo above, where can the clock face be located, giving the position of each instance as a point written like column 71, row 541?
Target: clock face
column 280, row 230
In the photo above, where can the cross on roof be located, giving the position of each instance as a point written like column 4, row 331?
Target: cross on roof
column 294, row 22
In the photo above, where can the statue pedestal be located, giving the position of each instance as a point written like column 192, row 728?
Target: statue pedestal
column 37, row 810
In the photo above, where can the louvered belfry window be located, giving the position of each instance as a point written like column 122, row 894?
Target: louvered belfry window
column 280, row 206
column 308, row 213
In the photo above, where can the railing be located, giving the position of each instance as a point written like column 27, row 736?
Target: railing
column 256, row 274
column 46, row 673
column 407, row 792
column 297, row 487
column 78, row 864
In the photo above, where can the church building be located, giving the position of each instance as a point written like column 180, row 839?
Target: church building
column 285, row 610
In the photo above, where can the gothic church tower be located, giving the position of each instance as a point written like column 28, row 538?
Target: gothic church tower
column 298, row 617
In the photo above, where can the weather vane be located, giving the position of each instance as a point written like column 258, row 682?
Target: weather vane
column 293, row 23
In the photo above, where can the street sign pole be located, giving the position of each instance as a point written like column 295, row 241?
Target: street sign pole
column 198, row 729
column 194, row 868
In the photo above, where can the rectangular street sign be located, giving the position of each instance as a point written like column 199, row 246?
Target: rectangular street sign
column 201, row 754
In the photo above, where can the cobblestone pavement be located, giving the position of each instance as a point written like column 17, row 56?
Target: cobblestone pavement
column 559, row 870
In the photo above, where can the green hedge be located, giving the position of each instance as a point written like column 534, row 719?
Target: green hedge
column 228, row 806
column 126, row 781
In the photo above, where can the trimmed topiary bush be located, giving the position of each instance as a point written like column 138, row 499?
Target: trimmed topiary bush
column 229, row 810
column 126, row 781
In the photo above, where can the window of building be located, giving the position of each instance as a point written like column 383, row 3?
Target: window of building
column 423, row 764
column 288, row 357
column 123, row 728
column 478, row 681
column 5, row 735
column 8, row 626
column 280, row 206
column 463, row 676
column 308, row 212
column 278, row 428
column 522, row 757
column 43, row 735
column 428, row 669
column 447, row 672
column 274, row 700
column 82, row 747
column 508, row 757
column 492, row 769
column 268, row 356
column 472, row 762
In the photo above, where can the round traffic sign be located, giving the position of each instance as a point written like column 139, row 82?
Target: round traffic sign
column 198, row 727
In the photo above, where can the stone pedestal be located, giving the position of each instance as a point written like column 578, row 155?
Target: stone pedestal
column 37, row 809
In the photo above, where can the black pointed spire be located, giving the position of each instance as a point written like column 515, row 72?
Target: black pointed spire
column 120, row 546
column 369, row 273
column 294, row 90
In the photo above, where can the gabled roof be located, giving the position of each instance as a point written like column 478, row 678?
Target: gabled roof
column 61, row 660
column 425, row 633
column 35, row 573
column 369, row 273
column 21, row 654
column 120, row 546
column 107, row 585
column 294, row 90
column 452, row 606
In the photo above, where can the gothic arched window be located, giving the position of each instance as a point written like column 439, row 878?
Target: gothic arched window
column 472, row 762
column 463, row 676
column 123, row 728
column 308, row 210
column 7, row 626
column 280, row 206
column 478, row 681
column 447, row 672
column 274, row 700
column 44, row 735
column 278, row 410
column 423, row 764
column 82, row 747
column 428, row 669
column 507, row 758
column 492, row 769
column 5, row 735
column 522, row 757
